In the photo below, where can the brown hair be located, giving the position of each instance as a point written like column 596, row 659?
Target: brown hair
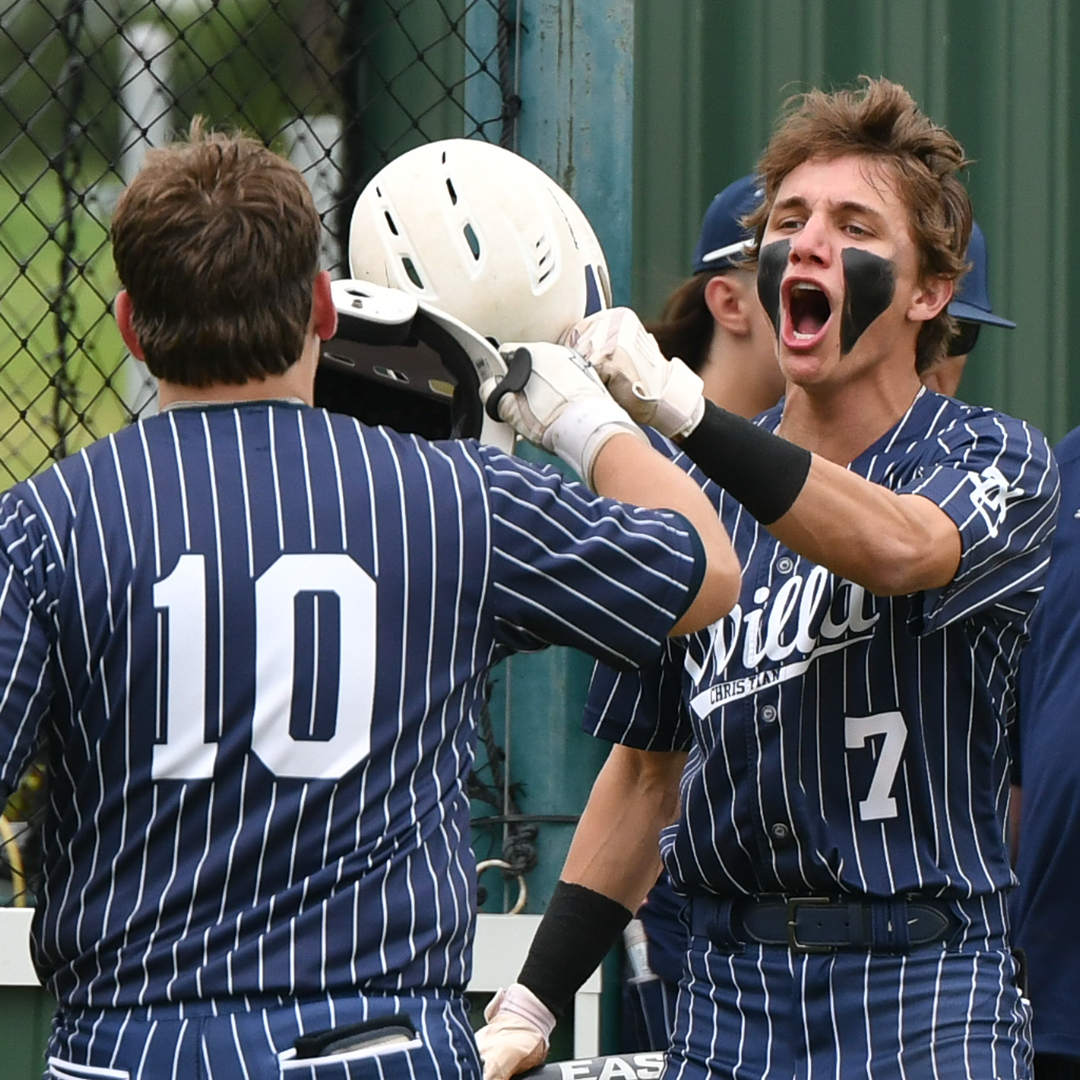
column 216, row 241
column 881, row 121
column 686, row 325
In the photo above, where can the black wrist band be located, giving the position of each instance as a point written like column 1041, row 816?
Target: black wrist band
column 575, row 934
column 759, row 469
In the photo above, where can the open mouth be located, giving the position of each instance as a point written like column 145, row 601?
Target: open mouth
column 809, row 310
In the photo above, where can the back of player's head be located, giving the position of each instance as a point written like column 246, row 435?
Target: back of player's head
column 881, row 122
column 216, row 241
column 686, row 326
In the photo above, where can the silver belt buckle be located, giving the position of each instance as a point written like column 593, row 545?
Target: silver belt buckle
column 793, row 905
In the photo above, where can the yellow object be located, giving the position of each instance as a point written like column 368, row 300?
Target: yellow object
column 13, row 857
column 20, row 805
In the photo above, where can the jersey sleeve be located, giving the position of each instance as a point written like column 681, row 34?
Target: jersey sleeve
column 643, row 708
column 998, row 481
column 572, row 568
column 26, row 556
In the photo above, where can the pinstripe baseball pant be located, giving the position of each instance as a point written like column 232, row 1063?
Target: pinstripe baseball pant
column 222, row 1041
column 949, row 1012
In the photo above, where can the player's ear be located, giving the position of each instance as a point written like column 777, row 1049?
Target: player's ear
column 930, row 298
column 323, row 313
column 727, row 304
column 122, row 311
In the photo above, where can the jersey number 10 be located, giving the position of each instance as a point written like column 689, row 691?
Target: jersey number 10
column 185, row 755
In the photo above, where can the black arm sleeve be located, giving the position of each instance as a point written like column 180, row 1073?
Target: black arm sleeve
column 575, row 934
column 762, row 471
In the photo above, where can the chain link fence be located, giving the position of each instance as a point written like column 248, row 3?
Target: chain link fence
column 86, row 86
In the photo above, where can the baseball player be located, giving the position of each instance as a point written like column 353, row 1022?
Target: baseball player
column 713, row 322
column 1043, row 906
column 840, row 839
column 253, row 636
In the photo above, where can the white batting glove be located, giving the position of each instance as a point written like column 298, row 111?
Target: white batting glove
column 516, row 1035
column 665, row 394
column 553, row 398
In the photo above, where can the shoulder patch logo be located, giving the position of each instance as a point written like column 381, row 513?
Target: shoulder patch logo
column 992, row 496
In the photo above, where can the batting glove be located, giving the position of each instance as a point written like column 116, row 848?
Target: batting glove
column 516, row 1035
column 663, row 393
column 553, row 398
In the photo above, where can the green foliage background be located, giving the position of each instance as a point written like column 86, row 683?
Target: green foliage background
column 251, row 64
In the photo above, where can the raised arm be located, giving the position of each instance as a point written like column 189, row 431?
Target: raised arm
column 630, row 470
column 889, row 543
column 555, row 400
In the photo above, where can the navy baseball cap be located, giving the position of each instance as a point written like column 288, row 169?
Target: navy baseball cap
column 721, row 243
column 972, row 300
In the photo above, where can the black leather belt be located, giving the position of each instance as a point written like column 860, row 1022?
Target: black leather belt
column 823, row 924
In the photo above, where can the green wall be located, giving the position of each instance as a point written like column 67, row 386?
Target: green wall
column 25, row 1017
column 710, row 76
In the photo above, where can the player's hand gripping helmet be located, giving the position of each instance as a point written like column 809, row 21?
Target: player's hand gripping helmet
column 483, row 235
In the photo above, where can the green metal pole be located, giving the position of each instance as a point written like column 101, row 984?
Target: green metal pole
column 576, row 123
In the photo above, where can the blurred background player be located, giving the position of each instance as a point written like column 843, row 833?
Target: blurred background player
column 972, row 311
column 714, row 321
column 253, row 636
column 1047, row 796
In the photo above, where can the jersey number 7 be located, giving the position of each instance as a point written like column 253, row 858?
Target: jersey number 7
column 879, row 803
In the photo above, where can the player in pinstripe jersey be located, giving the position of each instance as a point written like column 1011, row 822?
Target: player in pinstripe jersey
column 253, row 636
column 841, row 832
column 723, row 236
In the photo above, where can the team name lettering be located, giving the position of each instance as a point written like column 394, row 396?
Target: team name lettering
column 790, row 626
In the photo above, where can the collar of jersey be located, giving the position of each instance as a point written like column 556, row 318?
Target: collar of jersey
column 231, row 404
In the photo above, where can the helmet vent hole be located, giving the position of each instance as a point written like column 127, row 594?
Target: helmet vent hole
column 391, row 373
column 390, row 223
column 450, row 188
column 545, row 262
column 473, row 241
column 412, row 272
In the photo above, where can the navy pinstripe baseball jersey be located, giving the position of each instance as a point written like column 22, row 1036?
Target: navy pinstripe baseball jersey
column 255, row 641
column 844, row 741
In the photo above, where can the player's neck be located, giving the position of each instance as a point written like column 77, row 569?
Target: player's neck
column 840, row 422
column 295, row 384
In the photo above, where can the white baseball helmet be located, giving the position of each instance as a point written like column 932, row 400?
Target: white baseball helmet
column 482, row 234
